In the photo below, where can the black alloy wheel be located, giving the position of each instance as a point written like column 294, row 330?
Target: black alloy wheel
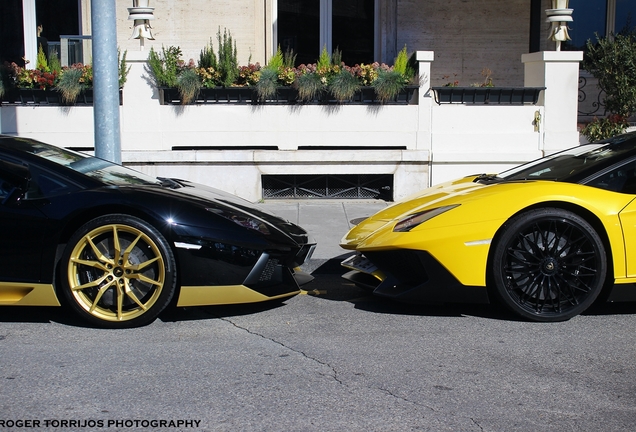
column 549, row 264
column 118, row 271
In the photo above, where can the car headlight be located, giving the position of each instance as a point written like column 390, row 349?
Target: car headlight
column 241, row 219
column 411, row 221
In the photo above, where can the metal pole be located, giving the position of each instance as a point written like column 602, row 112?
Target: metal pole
column 105, row 81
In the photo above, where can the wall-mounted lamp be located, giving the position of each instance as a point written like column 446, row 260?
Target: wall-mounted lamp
column 142, row 14
column 559, row 16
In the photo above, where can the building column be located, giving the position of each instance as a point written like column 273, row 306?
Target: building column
column 558, row 72
column 30, row 33
column 425, row 99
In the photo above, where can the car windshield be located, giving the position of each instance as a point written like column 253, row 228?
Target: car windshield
column 575, row 163
column 99, row 169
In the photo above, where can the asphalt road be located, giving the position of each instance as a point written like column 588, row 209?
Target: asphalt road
column 335, row 360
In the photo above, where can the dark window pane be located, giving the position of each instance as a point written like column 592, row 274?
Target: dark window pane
column 60, row 17
column 57, row 17
column 625, row 16
column 589, row 17
column 299, row 29
column 11, row 33
column 353, row 30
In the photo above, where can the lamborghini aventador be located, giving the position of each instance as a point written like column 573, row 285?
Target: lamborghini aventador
column 117, row 246
column 547, row 239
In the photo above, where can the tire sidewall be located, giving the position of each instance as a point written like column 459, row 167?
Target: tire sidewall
column 512, row 228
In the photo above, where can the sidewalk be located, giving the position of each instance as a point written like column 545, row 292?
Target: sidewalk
column 326, row 220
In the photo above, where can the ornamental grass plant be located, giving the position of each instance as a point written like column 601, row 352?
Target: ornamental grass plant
column 328, row 76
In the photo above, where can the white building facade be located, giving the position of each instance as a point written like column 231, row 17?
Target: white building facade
column 245, row 148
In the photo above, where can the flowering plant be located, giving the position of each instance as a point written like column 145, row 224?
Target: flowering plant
column 31, row 78
column 209, row 76
column 329, row 75
column 248, row 75
column 49, row 75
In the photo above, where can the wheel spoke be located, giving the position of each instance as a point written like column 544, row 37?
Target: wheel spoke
column 120, row 302
column 129, row 292
column 131, row 247
column 91, row 284
column 98, row 254
column 144, row 278
column 116, row 245
column 95, row 264
column 141, row 266
column 99, row 295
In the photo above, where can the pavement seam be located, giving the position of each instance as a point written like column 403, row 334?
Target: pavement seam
column 344, row 209
column 333, row 370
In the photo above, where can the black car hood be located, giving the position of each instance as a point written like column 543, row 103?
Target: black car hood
column 208, row 195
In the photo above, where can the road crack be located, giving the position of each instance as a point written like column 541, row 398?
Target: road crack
column 334, row 372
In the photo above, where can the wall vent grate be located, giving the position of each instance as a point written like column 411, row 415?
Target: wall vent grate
column 330, row 186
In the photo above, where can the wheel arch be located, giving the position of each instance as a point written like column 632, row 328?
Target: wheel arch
column 580, row 211
column 81, row 218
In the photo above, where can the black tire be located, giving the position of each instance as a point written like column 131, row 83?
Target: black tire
column 549, row 265
column 118, row 271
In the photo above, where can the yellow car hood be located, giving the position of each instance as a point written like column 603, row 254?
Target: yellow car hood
column 487, row 204
column 427, row 198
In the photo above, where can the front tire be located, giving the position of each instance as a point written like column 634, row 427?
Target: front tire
column 549, row 265
column 120, row 272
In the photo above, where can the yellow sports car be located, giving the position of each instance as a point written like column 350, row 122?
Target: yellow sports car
column 547, row 238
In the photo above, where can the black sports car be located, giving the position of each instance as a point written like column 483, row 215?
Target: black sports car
column 117, row 245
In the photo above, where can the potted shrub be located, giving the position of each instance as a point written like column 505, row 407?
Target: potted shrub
column 215, row 78
column 49, row 83
column 392, row 80
column 276, row 78
column 612, row 61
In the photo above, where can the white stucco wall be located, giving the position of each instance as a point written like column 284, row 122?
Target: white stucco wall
column 420, row 144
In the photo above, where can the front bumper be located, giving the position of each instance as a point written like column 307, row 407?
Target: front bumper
column 216, row 274
column 410, row 276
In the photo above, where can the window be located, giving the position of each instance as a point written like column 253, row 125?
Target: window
column 625, row 15
column 306, row 26
column 299, row 28
column 598, row 16
column 620, row 179
column 60, row 17
column 44, row 184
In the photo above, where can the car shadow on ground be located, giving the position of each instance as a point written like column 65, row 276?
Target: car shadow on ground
column 62, row 315
column 40, row 314
column 331, row 286
column 194, row 313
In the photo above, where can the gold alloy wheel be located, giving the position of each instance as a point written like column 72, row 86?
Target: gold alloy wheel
column 116, row 272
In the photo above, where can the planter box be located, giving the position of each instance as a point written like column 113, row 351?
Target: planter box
column 284, row 96
column 488, row 95
column 51, row 97
column 238, row 95
column 367, row 96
